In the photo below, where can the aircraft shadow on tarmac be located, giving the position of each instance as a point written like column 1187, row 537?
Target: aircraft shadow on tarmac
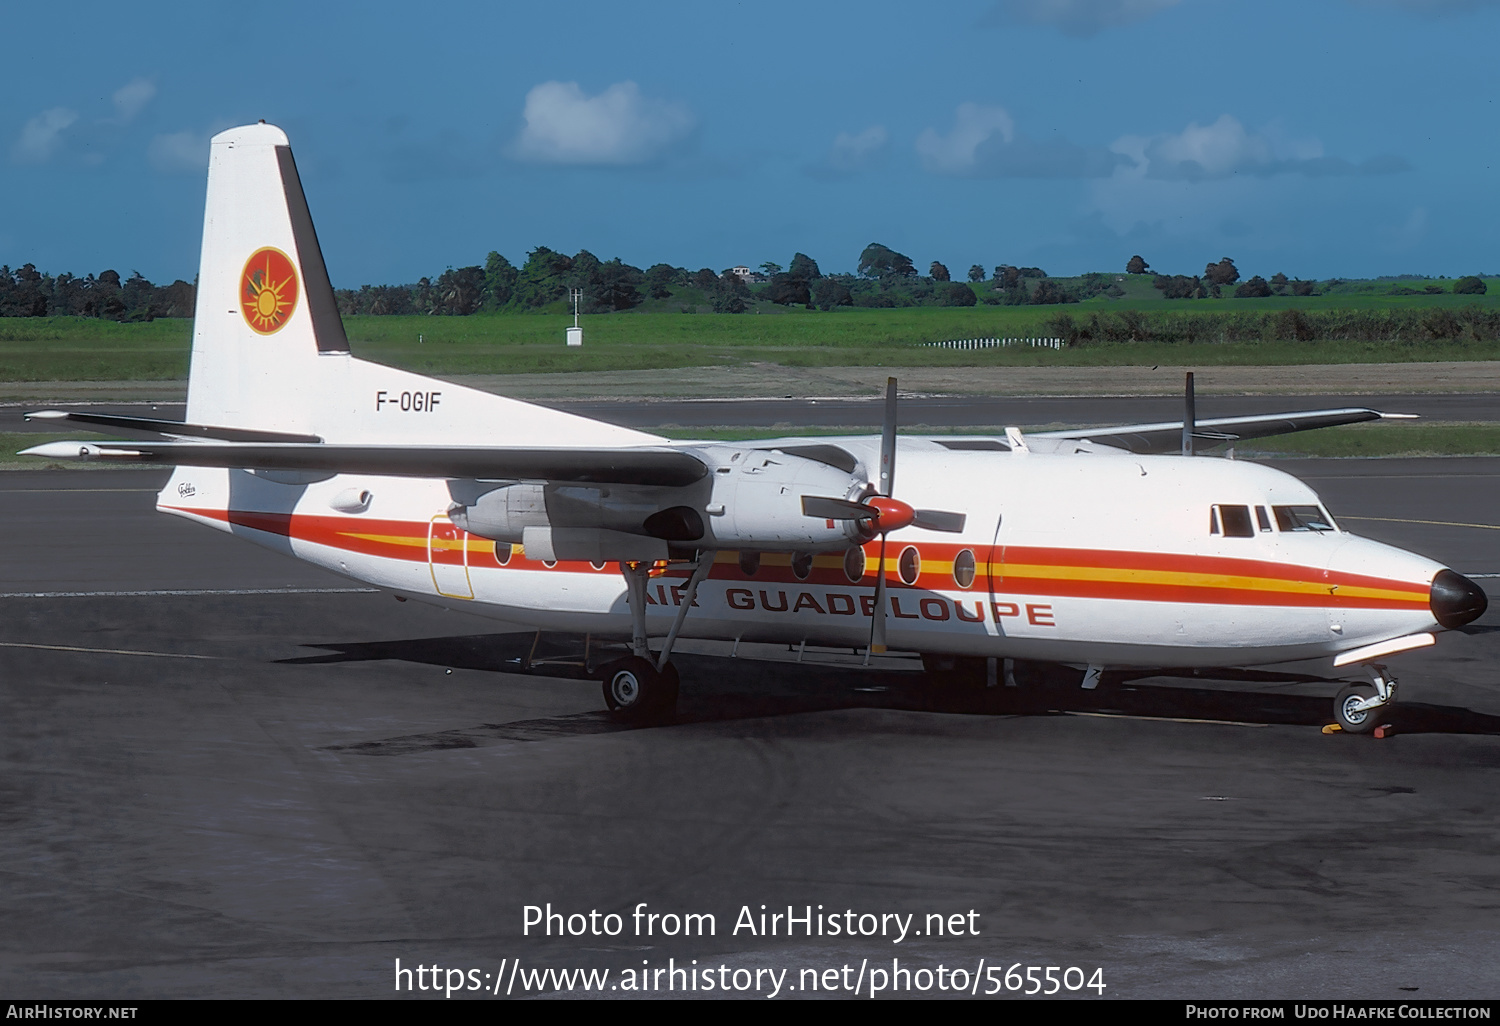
column 718, row 689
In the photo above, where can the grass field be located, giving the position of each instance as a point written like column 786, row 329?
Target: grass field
column 77, row 349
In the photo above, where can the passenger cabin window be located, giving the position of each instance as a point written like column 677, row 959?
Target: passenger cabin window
column 1303, row 518
column 1262, row 518
column 1232, row 521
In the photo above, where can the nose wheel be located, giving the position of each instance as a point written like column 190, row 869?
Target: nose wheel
column 1358, row 707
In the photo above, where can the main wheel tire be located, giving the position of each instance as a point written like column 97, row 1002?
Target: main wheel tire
column 1350, row 719
column 635, row 691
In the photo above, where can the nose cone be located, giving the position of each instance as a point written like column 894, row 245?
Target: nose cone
column 1456, row 600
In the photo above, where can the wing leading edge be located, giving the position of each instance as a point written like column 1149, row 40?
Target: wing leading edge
column 670, row 468
column 1167, row 437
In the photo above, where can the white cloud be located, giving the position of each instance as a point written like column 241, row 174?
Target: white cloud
column 1226, row 148
column 179, row 152
column 852, row 153
column 957, row 152
column 1080, row 17
column 132, row 97
column 856, row 152
column 41, row 136
column 1208, row 151
column 619, row 126
column 984, row 143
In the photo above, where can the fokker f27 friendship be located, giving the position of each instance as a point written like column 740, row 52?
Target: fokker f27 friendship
column 1094, row 549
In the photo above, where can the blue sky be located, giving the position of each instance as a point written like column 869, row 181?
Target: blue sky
column 1320, row 138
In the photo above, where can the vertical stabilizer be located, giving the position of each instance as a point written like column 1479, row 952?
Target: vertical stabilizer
column 265, row 307
column 269, row 350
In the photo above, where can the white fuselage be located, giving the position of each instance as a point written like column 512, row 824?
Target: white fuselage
column 1078, row 557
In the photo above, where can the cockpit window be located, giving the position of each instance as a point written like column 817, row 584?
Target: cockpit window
column 1303, row 518
column 1235, row 520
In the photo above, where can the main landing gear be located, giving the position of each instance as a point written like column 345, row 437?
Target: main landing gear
column 1358, row 707
column 639, row 688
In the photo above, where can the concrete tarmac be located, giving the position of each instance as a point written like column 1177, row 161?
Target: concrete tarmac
column 228, row 774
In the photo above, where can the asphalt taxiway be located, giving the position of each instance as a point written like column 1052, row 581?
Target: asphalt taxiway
column 228, row 774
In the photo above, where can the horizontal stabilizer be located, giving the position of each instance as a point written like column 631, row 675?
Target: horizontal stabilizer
column 171, row 427
column 1167, row 437
column 660, row 467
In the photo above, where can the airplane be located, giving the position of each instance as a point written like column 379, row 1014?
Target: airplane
column 1093, row 549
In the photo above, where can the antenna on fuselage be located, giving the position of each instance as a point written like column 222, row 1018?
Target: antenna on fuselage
column 1189, row 416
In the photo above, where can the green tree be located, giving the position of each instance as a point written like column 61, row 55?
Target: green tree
column 976, row 274
column 1471, row 285
column 955, row 294
column 728, row 295
column 541, row 281
column 459, row 292
column 938, row 272
column 829, row 293
column 616, row 286
column 1137, row 265
column 784, row 290
column 878, row 261
column 1221, row 273
column 499, row 281
column 658, row 280
column 1048, row 292
column 1256, row 288
column 804, row 267
column 1179, row 286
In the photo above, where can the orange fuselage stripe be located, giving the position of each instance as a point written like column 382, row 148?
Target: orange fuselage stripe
column 1021, row 570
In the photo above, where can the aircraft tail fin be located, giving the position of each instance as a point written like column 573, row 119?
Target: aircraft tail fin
column 265, row 303
column 269, row 349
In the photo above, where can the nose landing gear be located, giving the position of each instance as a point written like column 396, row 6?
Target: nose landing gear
column 1357, row 707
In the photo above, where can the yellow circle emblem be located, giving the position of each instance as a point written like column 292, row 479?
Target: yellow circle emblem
column 268, row 290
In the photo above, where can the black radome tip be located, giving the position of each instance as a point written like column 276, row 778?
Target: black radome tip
column 1456, row 600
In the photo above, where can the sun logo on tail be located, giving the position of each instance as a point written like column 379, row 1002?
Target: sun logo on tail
column 268, row 290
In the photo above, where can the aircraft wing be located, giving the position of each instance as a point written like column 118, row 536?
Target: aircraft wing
column 1167, row 437
column 176, row 428
column 641, row 466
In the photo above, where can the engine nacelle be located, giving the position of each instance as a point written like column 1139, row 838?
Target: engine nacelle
column 751, row 500
column 757, row 501
column 503, row 513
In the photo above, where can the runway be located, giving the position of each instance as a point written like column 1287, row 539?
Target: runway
column 228, row 774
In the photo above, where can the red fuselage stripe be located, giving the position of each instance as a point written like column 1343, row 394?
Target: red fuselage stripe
column 407, row 540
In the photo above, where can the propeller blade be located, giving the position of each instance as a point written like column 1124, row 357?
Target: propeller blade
column 887, row 482
column 877, row 621
column 826, row 508
column 939, row 520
